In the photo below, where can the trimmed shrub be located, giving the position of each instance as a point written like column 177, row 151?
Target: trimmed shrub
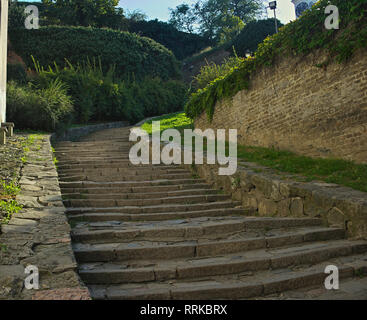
column 38, row 108
column 182, row 44
column 130, row 53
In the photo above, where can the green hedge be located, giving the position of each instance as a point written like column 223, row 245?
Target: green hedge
column 133, row 55
column 300, row 37
column 182, row 44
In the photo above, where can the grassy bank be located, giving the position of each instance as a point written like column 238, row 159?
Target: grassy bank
column 337, row 171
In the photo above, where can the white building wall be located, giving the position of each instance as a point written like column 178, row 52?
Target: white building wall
column 3, row 57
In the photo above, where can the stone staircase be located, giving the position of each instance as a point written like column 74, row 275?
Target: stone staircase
column 158, row 232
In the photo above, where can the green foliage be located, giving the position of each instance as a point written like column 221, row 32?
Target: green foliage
column 102, row 13
column 215, row 19
column 254, row 33
column 100, row 96
column 8, row 209
column 16, row 15
column 130, row 53
column 182, row 44
column 210, row 72
column 16, row 72
column 9, row 189
column 38, row 108
column 296, row 38
column 177, row 121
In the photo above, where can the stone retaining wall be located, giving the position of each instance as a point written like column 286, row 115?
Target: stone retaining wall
column 297, row 106
column 269, row 194
column 39, row 235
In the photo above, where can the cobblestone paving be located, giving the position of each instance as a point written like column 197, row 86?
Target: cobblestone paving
column 158, row 232
column 39, row 235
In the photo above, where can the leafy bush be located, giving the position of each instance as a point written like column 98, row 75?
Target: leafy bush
column 299, row 37
column 100, row 96
column 254, row 33
column 16, row 72
column 38, row 108
column 182, row 44
column 130, row 53
column 16, row 15
column 212, row 71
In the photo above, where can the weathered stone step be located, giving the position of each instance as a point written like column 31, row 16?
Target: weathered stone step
column 109, row 202
column 133, row 190
column 132, row 195
column 157, row 209
column 207, row 260
column 245, row 286
column 126, row 172
column 104, row 217
column 148, row 249
column 215, row 227
column 61, row 167
column 116, row 169
column 124, row 177
column 124, row 184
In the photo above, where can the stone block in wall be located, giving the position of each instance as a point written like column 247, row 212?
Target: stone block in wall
column 267, row 207
column 296, row 207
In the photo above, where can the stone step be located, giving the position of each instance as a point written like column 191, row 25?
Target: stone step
column 132, row 190
column 130, row 184
column 107, row 217
column 116, row 169
column 132, row 195
column 242, row 285
column 130, row 173
column 219, row 227
column 61, row 167
column 124, row 177
column 109, row 202
column 156, row 209
column 206, row 259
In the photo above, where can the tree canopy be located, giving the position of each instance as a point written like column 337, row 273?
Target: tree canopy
column 219, row 20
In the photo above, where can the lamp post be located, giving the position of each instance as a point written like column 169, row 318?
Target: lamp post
column 273, row 6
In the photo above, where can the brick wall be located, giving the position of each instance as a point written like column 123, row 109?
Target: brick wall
column 297, row 106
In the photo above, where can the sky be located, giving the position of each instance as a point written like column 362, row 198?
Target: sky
column 160, row 8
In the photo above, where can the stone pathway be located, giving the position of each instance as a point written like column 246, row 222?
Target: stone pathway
column 39, row 234
column 158, row 232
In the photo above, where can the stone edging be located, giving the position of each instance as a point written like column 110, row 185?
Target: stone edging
column 270, row 194
column 39, row 235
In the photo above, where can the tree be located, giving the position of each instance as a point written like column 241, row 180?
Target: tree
column 137, row 15
column 252, row 35
column 99, row 13
column 183, row 18
column 216, row 19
